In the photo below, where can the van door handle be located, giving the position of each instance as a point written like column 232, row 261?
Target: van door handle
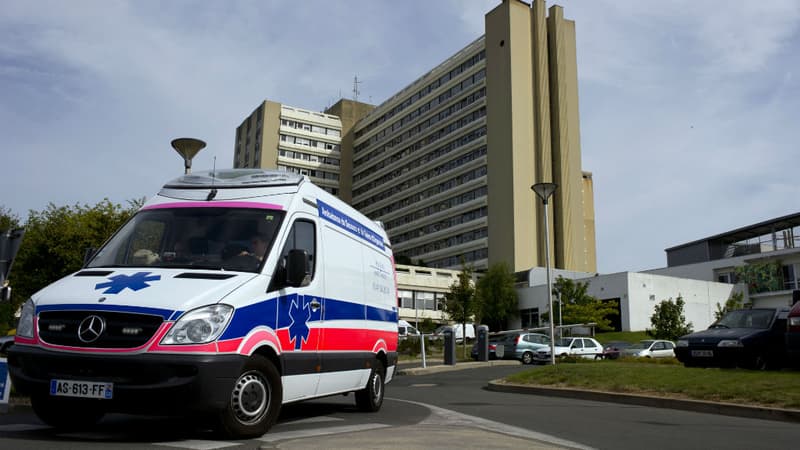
column 315, row 305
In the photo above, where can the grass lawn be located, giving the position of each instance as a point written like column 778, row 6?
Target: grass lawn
column 669, row 379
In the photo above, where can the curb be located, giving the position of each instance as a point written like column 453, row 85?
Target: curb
column 459, row 366
column 726, row 409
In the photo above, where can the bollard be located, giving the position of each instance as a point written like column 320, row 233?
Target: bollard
column 483, row 343
column 449, row 347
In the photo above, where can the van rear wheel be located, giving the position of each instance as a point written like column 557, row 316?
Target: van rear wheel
column 255, row 400
column 370, row 398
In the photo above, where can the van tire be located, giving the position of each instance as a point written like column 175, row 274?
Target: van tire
column 370, row 398
column 67, row 413
column 255, row 400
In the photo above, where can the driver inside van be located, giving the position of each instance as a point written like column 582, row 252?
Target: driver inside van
column 258, row 248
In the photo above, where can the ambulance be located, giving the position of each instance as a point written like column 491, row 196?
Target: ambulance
column 227, row 295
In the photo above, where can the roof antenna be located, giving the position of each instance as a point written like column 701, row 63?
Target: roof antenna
column 187, row 148
column 355, row 88
column 213, row 192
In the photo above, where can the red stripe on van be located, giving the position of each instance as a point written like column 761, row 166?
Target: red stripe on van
column 349, row 339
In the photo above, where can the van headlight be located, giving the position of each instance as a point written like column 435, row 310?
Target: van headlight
column 199, row 326
column 25, row 325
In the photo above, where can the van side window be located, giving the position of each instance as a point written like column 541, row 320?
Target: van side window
column 302, row 236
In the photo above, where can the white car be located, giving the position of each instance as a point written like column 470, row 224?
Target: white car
column 583, row 347
column 651, row 349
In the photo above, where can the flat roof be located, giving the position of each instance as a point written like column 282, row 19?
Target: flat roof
column 748, row 232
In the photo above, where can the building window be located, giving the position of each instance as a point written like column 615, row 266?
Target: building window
column 790, row 277
column 425, row 300
column 406, row 299
column 530, row 317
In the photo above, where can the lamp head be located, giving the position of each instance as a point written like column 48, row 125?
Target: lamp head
column 188, row 148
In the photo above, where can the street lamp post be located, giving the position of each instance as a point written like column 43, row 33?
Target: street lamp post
column 544, row 191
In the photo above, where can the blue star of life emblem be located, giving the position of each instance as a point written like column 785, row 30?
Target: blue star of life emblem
column 133, row 282
column 300, row 312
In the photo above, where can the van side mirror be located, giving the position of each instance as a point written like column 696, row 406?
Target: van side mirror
column 298, row 268
column 88, row 254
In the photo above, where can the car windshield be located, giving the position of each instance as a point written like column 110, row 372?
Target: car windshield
column 746, row 318
column 200, row 238
column 641, row 345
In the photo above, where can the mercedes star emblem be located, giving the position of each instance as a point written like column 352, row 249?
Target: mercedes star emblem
column 91, row 328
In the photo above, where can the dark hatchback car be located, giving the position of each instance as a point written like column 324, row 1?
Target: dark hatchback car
column 750, row 338
column 793, row 335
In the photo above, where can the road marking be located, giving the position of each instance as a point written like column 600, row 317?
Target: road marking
column 197, row 444
column 273, row 437
column 318, row 419
column 22, row 427
column 449, row 418
column 424, row 385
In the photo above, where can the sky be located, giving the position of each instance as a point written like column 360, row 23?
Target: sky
column 688, row 109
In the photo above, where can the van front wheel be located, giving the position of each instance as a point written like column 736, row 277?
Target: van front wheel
column 255, row 400
column 370, row 398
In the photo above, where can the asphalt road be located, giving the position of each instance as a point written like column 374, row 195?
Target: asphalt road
column 438, row 410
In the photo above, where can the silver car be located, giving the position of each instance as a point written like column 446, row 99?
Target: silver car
column 651, row 349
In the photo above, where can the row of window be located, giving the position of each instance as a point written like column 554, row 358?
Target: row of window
column 421, row 300
column 430, row 210
column 297, row 140
column 309, row 157
column 420, row 128
column 474, row 59
column 433, row 172
column 455, row 261
column 425, row 107
column 440, row 225
column 430, row 192
column 441, row 244
column 316, row 173
column 310, row 127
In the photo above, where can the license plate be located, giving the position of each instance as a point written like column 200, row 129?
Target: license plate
column 82, row 389
column 703, row 353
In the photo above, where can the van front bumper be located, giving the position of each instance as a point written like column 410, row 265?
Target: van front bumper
column 143, row 383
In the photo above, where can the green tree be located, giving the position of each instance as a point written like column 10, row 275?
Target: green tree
column 735, row 301
column 496, row 297
column 8, row 220
column 55, row 243
column 668, row 320
column 427, row 326
column 459, row 303
column 577, row 306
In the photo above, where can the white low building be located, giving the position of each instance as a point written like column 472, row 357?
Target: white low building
column 637, row 295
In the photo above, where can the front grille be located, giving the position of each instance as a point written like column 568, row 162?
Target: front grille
column 120, row 330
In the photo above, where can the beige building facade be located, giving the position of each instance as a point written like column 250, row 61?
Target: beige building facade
column 447, row 163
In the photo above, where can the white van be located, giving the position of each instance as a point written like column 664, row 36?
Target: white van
column 458, row 331
column 405, row 329
column 227, row 295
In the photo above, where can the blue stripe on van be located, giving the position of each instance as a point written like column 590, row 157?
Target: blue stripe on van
column 164, row 313
column 381, row 315
column 290, row 310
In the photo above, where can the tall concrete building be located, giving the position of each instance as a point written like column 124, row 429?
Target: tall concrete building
column 447, row 163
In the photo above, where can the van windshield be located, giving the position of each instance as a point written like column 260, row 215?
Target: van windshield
column 235, row 239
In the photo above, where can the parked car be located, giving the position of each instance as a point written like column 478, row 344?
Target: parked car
column 651, row 349
column 793, row 335
column 521, row 345
column 405, row 329
column 613, row 349
column 752, row 338
column 583, row 347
